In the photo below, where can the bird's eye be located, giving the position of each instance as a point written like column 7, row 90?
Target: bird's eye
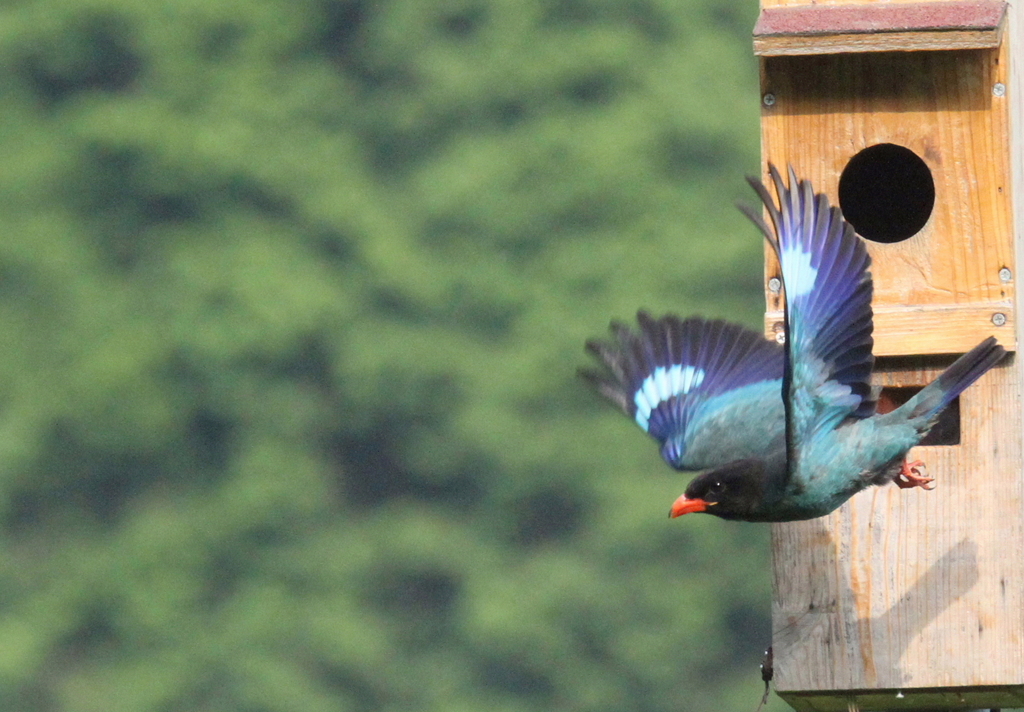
column 717, row 487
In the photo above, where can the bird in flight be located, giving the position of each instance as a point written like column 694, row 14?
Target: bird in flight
column 781, row 433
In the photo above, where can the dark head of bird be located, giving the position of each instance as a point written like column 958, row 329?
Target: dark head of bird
column 733, row 491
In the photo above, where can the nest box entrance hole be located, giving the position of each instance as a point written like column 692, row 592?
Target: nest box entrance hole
column 887, row 193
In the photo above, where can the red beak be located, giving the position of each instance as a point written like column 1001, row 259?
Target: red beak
column 687, row 506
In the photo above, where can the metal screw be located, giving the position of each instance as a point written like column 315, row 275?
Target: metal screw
column 1005, row 275
column 774, row 285
column 999, row 318
column 768, row 99
column 780, row 332
column 999, row 89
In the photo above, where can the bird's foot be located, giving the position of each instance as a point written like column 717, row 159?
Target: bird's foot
column 914, row 474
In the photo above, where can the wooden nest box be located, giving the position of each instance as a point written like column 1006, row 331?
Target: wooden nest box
column 909, row 116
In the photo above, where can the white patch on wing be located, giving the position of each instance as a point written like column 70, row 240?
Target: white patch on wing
column 663, row 384
column 797, row 272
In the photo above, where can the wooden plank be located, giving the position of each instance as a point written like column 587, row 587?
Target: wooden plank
column 942, row 106
column 797, row 45
column 1013, row 57
column 906, row 589
column 879, row 27
column 912, row 599
column 942, row 329
column 1015, row 97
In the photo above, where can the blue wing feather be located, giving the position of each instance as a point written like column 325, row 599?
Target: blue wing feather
column 826, row 273
column 676, row 376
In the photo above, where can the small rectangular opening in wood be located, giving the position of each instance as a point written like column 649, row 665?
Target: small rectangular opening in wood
column 946, row 430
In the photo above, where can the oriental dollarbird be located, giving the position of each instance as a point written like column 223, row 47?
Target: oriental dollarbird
column 711, row 393
column 836, row 443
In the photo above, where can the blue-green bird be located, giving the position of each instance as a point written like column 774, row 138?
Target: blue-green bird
column 711, row 393
column 835, row 443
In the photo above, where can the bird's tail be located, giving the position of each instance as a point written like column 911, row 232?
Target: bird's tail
column 954, row 380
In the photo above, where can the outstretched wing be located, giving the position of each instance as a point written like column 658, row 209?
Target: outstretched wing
column 827, row 278
column 686, row 382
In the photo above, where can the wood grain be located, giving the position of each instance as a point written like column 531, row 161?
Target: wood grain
column 941, row 106
column 1015, row 96
column 846, row 42
column 930, row 329
column 906, row 590
column 913, row 599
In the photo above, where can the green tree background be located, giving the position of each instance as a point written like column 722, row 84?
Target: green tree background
column 293, row 294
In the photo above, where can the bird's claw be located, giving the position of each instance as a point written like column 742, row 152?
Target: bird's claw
column 914, row 474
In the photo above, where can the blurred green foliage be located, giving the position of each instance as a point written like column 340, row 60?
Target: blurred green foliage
column 293, row 295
